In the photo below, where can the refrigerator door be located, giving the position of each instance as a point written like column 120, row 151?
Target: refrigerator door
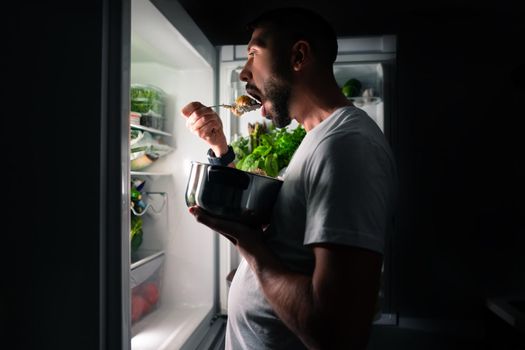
column 172, row 288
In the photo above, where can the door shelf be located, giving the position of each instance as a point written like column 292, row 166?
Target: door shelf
column 151, row 130
column 149, row 206
column 149, row 173
column 145, row 283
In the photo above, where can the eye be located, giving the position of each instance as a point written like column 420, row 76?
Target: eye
column 251, row 53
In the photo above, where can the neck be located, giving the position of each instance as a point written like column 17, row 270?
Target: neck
column 314, row 101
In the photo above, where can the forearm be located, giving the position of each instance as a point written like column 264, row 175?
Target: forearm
column 291, row 296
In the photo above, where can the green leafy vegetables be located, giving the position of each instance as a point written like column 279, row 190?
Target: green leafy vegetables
column 136, row 232
column 267, row 150
column 137, row 207
column 147, row 99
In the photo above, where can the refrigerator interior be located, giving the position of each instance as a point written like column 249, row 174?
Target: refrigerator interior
column 364, row 58
column 177, row 253
column 370, row 74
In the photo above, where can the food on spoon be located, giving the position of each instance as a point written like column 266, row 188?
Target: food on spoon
column 242, row 105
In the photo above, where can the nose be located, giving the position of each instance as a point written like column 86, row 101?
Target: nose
column 246, row 74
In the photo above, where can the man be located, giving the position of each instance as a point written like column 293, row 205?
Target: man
column 311, row 278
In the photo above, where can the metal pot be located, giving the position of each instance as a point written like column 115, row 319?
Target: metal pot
column 231, row 193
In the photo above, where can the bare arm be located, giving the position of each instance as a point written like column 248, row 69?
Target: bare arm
column 332, row 309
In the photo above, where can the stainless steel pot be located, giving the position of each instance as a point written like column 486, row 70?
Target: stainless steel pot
column 232, row 193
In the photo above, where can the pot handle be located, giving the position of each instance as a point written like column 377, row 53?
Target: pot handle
column 228, row 176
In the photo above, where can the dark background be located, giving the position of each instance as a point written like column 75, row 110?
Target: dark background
column 457, row 138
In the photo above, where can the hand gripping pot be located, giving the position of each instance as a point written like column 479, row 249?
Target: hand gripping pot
column 232, row 194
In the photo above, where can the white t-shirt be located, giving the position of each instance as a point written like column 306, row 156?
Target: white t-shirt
column 339, row 188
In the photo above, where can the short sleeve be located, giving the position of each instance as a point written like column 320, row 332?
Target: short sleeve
column 348, row 184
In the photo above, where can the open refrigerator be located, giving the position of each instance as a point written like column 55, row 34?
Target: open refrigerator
column 185, row 263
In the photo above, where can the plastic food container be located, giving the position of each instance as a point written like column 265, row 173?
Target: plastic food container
column 134, row 118
column 150, row 102
column 152, row 121
column 141, row 160
column 145, row 280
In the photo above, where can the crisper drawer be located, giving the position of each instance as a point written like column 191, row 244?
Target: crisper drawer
column 145, row 282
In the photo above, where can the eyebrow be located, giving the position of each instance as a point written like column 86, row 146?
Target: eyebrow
column 257, row 41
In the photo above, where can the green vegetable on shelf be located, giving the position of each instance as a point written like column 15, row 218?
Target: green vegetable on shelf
column 137, row 206
column 146, row 92
column 352, row 88
column 135, row 194
column 147, row 99
column 136, row 232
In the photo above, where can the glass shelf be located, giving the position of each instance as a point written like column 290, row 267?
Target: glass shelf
column 360, row 101
column 143, row 257
column 149, row 173
column 151, row 130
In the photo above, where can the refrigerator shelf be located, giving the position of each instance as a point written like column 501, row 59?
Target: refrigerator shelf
column 362, row 101
column 151, row 130
column 143, row 257
column 149, row 173
column 168, row 327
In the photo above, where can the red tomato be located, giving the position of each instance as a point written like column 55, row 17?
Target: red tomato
column 150, row 292
column 135, row 291
column 139, row 306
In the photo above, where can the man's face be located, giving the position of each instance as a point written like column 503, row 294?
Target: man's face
column 268, row 76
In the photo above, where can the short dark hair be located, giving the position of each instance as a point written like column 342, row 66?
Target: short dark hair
column 301, row 24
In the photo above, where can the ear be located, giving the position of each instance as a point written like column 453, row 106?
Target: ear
column 301, row 55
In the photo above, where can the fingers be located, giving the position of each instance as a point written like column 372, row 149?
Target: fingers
column 204, row 218
column 202, row 124
column 202, row 121
column 226, row 228
column 190, row 108
column 207, row 220
column 194, row 111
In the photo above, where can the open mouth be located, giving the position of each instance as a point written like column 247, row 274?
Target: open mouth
column 254, row 93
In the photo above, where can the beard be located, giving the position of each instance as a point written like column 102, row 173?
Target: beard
column 278, row 91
